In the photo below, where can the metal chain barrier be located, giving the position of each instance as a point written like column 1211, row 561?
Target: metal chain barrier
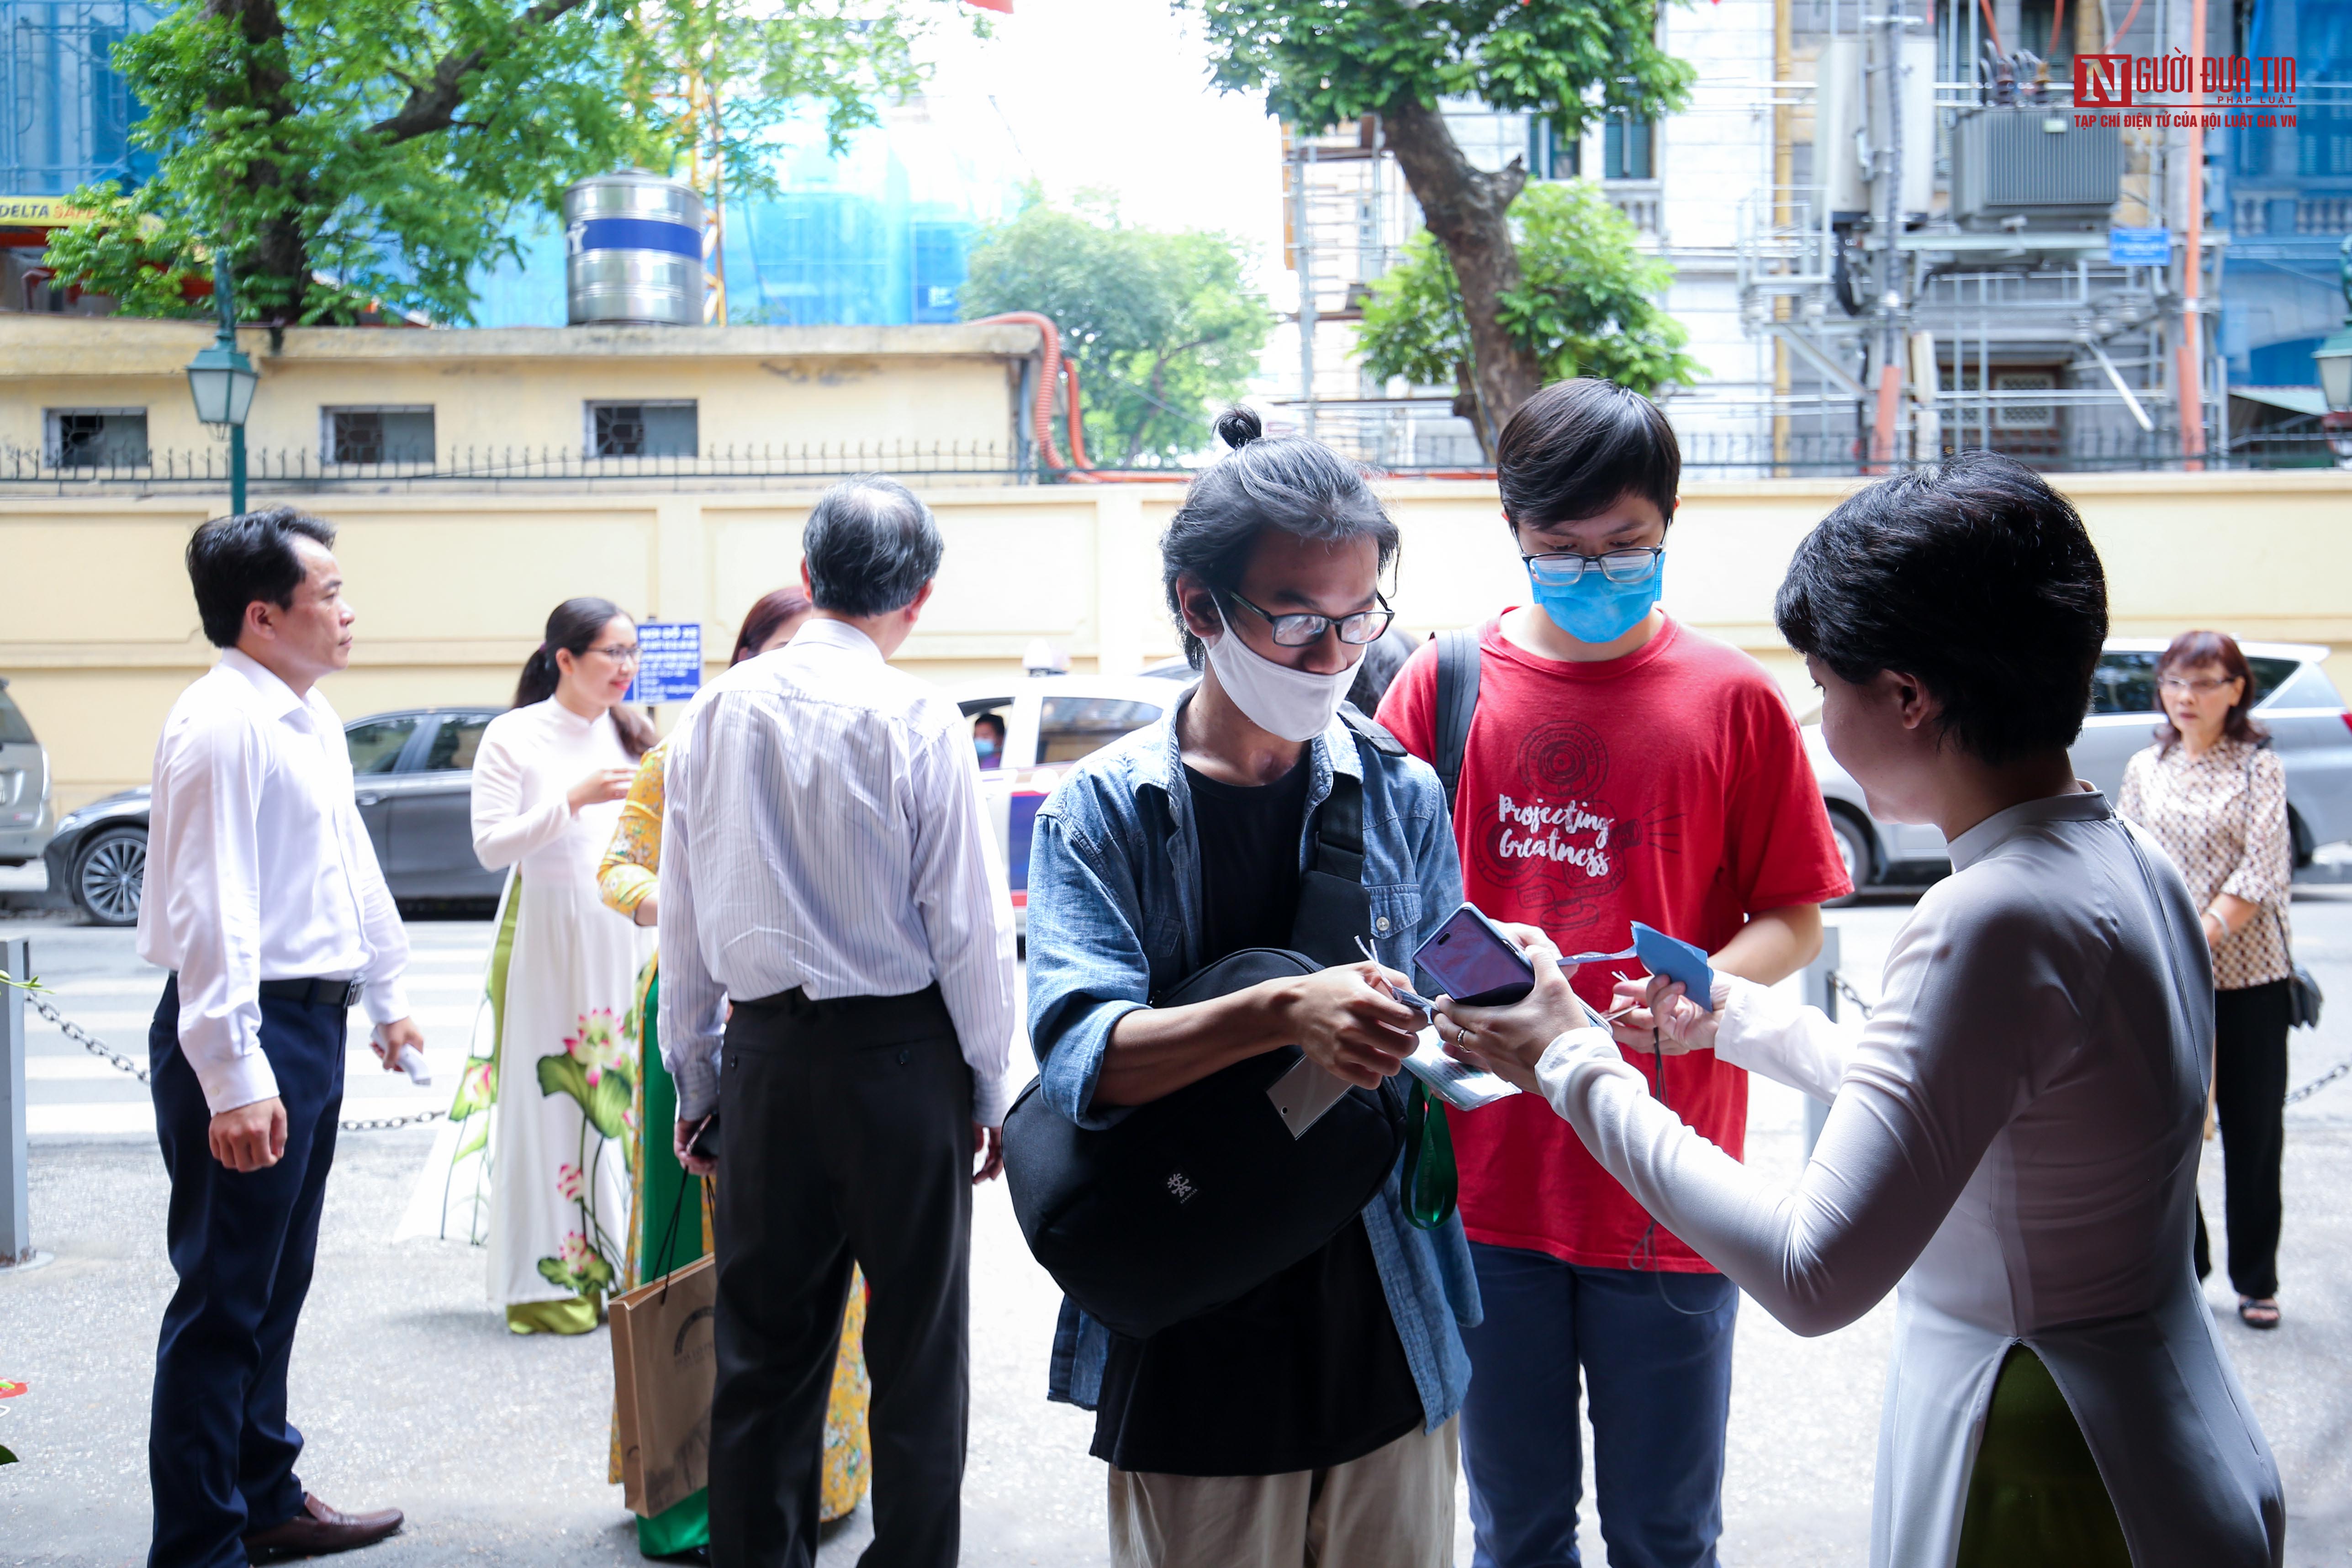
column 2341, row 1070
column 1845, row 990
column 2322, row 1081
column 83, row 1038
column 99, row 1048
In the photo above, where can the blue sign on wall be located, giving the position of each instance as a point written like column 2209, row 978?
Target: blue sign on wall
column 669, row 662
column 2139, row 247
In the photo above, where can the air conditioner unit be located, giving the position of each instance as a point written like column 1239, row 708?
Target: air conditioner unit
column 2035, row 162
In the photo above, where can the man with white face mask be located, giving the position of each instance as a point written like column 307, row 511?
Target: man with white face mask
column 1313, row 1417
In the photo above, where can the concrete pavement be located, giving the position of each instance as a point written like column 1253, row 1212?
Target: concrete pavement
column 411, row 1392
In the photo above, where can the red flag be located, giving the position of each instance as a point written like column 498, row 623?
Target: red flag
column 1003, row 5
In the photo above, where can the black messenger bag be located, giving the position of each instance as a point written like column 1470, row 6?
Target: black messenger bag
column 1197, row 1198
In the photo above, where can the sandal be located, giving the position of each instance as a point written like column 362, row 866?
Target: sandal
column 2258, row 1312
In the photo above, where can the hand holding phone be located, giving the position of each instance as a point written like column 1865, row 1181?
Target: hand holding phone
column 1510, row 1038
column 1476, row 961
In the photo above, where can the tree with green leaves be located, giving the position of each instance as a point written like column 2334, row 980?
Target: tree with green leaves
column 351, row 153
column 1163, row 326
column 1586, row 304
column 1323, row 62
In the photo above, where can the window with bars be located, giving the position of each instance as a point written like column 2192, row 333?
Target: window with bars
column 391, row 434
column 96, row 437
column 666, row 429
column 2020, row 416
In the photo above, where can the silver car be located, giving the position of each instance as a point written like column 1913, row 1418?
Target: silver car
column 2294, row 698
column 26, row 818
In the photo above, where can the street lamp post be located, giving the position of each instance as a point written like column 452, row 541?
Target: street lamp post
column 2334, row 357
column 221, row 380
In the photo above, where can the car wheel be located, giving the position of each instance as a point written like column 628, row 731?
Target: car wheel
column 108, row 874
column 1853, row 850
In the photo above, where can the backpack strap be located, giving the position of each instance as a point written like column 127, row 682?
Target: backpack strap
column 1370, row 731
column 1457, row 699
column 1334, row 910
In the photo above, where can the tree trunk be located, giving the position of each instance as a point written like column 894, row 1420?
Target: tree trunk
column 277, row 257
column 1465, row 208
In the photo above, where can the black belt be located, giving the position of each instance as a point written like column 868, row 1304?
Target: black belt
column 343, row 994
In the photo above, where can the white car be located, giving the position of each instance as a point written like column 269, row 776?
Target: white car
column 2295, row 700
column 1050, row 721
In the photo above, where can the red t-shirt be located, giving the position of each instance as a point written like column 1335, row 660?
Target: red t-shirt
column 1669, row 787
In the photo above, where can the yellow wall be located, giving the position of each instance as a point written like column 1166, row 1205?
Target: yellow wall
column 756, row 389
column 98, row 632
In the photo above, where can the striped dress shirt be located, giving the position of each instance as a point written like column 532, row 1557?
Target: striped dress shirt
column 824, row 832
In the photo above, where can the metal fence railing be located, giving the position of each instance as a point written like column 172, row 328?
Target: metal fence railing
column 1708, row 454
column 159, row 471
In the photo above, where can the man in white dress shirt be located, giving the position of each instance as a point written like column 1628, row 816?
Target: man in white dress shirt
column 264, row 898
column 824, row 864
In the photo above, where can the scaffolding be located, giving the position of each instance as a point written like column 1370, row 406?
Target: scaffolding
column 1909, row 324
column 1347, row 215
column 70, row 113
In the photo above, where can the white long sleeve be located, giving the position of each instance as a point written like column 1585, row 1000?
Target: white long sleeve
column 508, row 826
column 2002, row 1018
column 259, row 868
column 1766, row 1032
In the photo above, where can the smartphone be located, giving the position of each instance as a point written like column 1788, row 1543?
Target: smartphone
column 704, row 1144
column 1476, row 961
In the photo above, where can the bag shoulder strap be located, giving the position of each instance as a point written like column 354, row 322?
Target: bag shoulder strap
column 1334, row 910
column 1370, row 731
column 1457, row 699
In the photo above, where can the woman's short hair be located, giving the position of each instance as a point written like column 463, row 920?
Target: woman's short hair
column 2187, row 652
column 1301, row 486
column 1974, row 578
column 774, row 608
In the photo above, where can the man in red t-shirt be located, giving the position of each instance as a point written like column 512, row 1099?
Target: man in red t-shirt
column 1618, row 766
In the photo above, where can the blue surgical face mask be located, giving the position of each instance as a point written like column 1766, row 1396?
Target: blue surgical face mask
column 984, row 744
column 1592, row 609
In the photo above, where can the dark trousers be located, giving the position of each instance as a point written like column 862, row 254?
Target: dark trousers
column 220, row 1451
column 1655, row 1350
column 844, row 1137
column 2249, row 1030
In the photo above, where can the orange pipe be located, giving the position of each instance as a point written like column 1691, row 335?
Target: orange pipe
column 1076, row 420
column 1048, row 372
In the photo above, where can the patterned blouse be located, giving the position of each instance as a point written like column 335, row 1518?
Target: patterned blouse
column 2222, row 819
column 632, row 867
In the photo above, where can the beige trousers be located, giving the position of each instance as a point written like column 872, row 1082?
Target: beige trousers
column 1391, row 1508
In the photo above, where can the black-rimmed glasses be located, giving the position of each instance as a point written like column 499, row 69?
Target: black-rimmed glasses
column 1302, row 629
column 1559, row 568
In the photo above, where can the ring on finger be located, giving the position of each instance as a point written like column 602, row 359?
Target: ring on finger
column 1461, row 1034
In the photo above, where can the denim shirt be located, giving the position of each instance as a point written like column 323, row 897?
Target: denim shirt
column 1115, row 916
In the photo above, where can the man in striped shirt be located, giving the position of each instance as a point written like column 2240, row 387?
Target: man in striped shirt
column 826, row 866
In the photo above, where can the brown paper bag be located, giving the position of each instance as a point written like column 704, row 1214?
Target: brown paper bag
column 664, row 1364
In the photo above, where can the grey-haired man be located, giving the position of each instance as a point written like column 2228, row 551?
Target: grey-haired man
column 825, row 864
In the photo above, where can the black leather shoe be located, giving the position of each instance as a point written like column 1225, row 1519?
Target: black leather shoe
column 319, row 1530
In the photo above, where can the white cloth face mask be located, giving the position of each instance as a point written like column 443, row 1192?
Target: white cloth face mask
column 1296, row 704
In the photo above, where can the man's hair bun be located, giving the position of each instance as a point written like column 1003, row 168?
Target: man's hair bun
column 1238, row 426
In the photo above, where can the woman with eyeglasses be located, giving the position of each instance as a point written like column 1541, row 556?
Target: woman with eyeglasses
column 2216, row 800
column 550, row 1079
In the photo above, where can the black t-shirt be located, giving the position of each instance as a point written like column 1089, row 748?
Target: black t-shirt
column 1305, row 1371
